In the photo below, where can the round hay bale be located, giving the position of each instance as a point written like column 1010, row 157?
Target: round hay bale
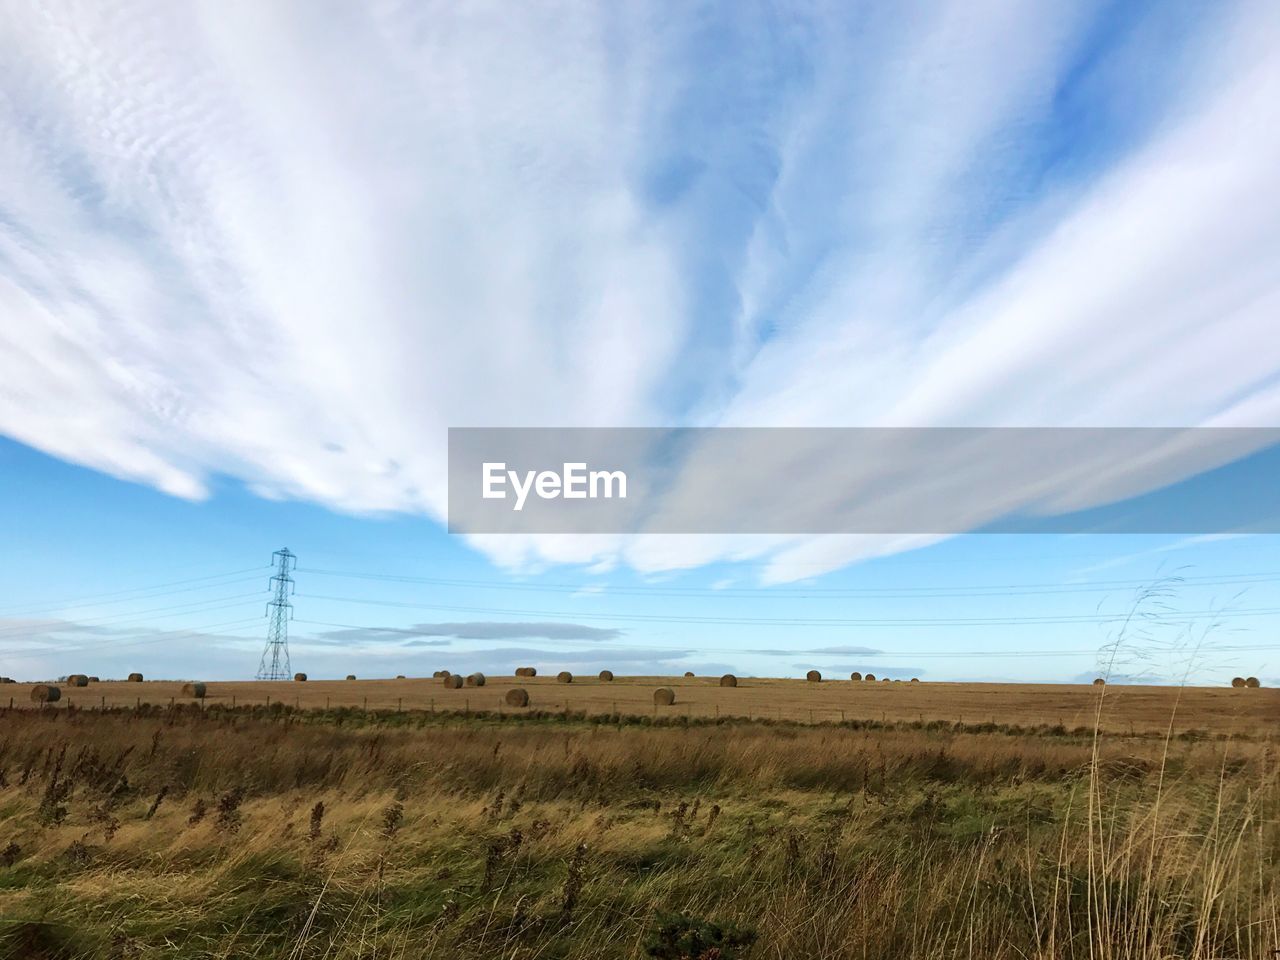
column 135, row 678
column 728, row 680
column 813, row 676
column 564, row 676
column 526, row 672
column 855, row 676
column 93, row 679
column 45, row 693
column 915, row 679
column 475, row 680
column 300, row 677
column 688, row 673
column 1252, row 682
column 351, row 676
column 1237, row 682
column 7, row 680
column 77, row 680
column 452, row 682
column 884, row 679
column 399, row 676
column 195, row 689
column 1099, row 682
column 517, row 697
column 664, row 697
column 606, row 676
column 870, row 678
column 439, row 674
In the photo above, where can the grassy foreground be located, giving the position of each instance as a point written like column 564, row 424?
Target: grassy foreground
column 181, row 833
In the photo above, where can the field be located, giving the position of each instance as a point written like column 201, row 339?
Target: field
column 1127, row 709
column 203, row 831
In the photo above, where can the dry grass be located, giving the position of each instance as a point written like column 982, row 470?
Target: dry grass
column 213, row 834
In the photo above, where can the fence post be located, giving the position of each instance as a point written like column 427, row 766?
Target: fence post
column 399, row 703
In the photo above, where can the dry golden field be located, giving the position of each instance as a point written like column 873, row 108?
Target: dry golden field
column 1125, row 709
column 195, row 834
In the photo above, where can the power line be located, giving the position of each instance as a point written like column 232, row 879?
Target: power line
column 120, row 642
column 806, row 593
column 962, row 654
column 96, row 598
column 129, row 617
column 1168, row 617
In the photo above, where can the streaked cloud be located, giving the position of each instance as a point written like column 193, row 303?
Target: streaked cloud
column 247, row 241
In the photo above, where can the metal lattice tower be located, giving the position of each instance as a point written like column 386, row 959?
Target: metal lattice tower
column 275, row 657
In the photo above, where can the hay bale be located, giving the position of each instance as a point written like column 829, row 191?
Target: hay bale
column 813, row 676
column 517, row 697
column 351, row 676
column 439, row 674
column 664, row 697
column 1237, row 682
column 135, row 678
column 475, row 680
column 45, row 693
column 688, row 673
column 606, row 676
column 93, row 679
column 855, row 676
column 728, row 680
column 452, row 682
column 399, row 676
column 78, row 680
column 884, row 679
column 195, row 689
column 300, row 677
column 526, row 672
column 564, row 676
column 915, row 679
column 870, row 678
column 1252, row 682
column 7, row 680
column 1099, row 682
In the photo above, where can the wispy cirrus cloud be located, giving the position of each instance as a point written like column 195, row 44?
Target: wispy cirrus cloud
column 292, row 250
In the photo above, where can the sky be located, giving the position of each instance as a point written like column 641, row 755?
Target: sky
column 256, row 259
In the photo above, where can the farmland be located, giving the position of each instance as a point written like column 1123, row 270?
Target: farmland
column 270, row 832
column 1124, row 709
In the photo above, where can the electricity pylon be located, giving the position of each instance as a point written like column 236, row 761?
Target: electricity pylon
column 275, row 657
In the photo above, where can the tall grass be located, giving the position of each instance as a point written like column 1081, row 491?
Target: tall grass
column 471, row 839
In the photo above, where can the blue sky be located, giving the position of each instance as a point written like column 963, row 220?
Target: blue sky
column 256, row 259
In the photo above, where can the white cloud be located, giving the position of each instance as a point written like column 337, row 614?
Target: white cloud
column 244, row 239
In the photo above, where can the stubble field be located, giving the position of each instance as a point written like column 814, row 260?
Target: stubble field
column 1126, row 708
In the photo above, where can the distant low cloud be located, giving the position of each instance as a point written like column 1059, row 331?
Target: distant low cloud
column 474, row 630
column 821, row 651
